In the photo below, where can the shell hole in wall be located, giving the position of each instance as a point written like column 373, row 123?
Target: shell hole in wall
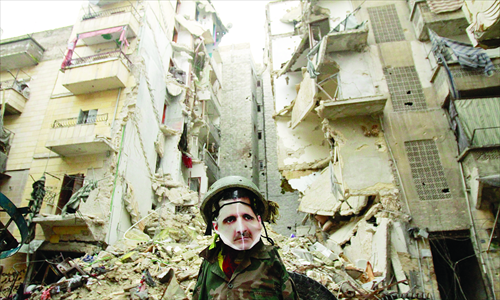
column 408, row 93
column 409, row 103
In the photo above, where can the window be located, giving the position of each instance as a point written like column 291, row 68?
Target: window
column 258, row 83
column 87, row 116
column 259, row 108
column 261, row 165
column 70, row 184
column 259, row 135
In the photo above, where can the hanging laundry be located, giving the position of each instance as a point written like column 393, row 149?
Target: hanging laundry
column 466, row 55
column 442, row 6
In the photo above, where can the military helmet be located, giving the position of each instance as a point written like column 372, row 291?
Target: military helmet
column 214, row 194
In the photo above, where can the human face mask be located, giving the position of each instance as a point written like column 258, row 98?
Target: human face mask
column 237, row 224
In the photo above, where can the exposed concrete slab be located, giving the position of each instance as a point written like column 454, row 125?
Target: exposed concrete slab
column 361, row 243
column 349, row 40
column 351, row 107
column 353, row 205
column 381, row 246
column 318, row 198
column 304, row 103
column 344, row 234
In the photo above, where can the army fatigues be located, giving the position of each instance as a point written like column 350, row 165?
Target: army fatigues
column 260, row 275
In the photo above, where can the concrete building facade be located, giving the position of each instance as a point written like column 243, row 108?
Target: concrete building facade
column 368, row 97
column 125, row 105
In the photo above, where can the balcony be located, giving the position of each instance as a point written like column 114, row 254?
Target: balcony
column 103, row 19
column 71, row 228
column 342, row 108
column 213, row 171
column 445, row 24
column 469, row 82
column 19, row 52
column 100, row 72
column 15, row 96
column 69, row 137
column 472, row 131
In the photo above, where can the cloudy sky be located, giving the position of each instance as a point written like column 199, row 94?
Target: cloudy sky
column 18, row 17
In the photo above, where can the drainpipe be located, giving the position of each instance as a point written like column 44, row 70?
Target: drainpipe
column 116, row 107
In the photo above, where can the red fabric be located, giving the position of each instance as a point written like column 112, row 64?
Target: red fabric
column 229, row 265
column 67, row 59
column 188, row 161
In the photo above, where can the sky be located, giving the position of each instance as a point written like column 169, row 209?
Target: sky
column 18, row 17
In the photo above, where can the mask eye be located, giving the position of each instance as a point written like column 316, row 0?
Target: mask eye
column 229, row 220
column 248, row 217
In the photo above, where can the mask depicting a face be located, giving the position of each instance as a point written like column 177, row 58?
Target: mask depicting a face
column 237, row 225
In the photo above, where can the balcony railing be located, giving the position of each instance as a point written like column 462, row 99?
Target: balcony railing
column 211, row 164
column 109, row 12
column 101, row 57
column 483, row 136
column 70, row 122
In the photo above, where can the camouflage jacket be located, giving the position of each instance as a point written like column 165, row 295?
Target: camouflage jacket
column 260, row 275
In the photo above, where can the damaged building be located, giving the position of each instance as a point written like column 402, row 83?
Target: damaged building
column 110, row 118
column 387, row 125
column 373, row 124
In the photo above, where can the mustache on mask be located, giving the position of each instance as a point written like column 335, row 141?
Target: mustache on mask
column 244, row 234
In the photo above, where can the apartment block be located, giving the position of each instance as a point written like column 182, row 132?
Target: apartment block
column 387, row 126
column 114, row 117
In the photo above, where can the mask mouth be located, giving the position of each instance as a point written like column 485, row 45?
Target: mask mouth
column 246, row 235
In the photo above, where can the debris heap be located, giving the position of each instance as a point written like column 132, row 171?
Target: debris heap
column 162, row 263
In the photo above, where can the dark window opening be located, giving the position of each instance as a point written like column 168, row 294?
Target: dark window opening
column 258, row 83
column 259, row 108
column 457, row 269
column 87, row 116
column 259, row 135
column 71, row 184
column 158, row 162
column 261, row 165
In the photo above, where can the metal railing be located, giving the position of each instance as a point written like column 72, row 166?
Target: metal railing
column 70, row 122
column 76, row 62
column 211, row 163
column 488, row 136
column 109, row 12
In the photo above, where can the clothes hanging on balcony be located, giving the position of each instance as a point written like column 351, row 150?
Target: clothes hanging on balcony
column 442, row 6
column 467, row 56
column 187, row 161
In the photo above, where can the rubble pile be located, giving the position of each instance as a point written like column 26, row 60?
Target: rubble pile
column 162, row 263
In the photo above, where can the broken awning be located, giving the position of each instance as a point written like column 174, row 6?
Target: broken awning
column 195, row 29
column 442, row 6
column 105, row 35
column 479, row 118
column 485, row 22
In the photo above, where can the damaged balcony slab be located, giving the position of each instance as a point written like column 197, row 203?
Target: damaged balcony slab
column 14, row 101
column 304, row 103
column 81, row 146
column 71, row 227
column 349, row 40
column 351, row 107
column 304, row 44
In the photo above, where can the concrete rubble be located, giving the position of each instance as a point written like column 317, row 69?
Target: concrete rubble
column 162, row 261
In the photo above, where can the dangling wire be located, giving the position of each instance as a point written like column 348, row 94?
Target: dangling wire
column 270, row 240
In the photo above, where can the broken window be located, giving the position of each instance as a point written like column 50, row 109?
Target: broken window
column 71, row 184
column 87, row 116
